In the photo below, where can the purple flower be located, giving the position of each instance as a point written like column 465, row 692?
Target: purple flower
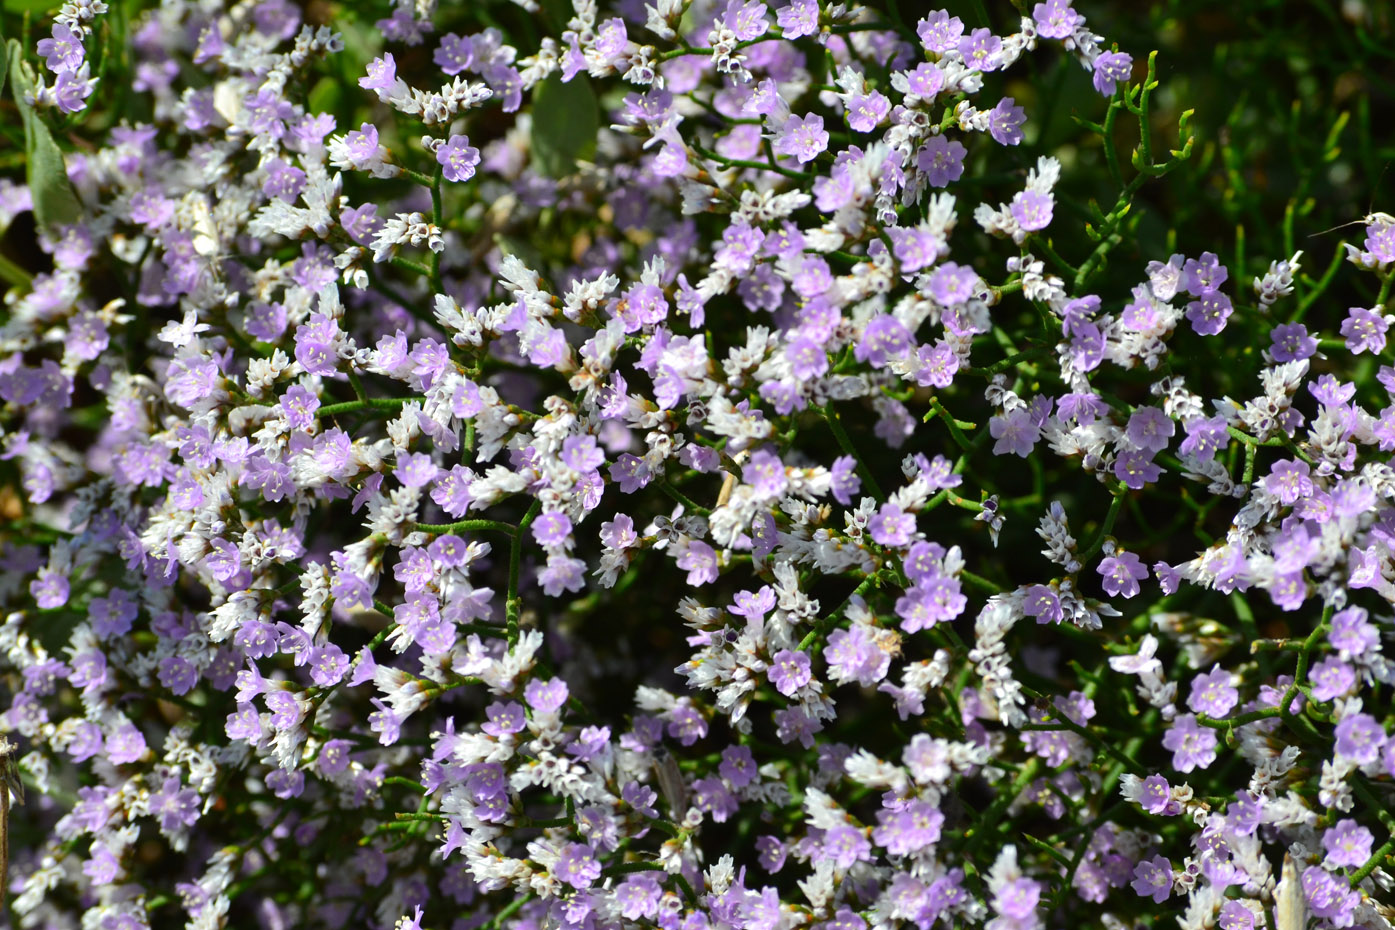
column 1364, row 330
column 808, row 359
column 1360, row 738
column 103, row 868
column 1213, row 693
column 50, row 589
column 1348, row 844
column 638, row 896
column 1041, row 602
column 328, row 665
column 686, row 725
column 1209, row 313
column 415, row 469
column 981, row 50
column 283, row 181
column 846, row 845
column 1121, row 574
column 908, row 827
column 852, row 655
column 799, row 18
column 941, row 160
column 1005, row 122
column 1235, row 916
column 381, row 76
column 914, row 248
column 244, row 723
column 1380, row 240
column 952, row 284
column 579, row 453
column 174, row 806
column 738, row 766
column 865, row 111
column 924, row 82
column 1110, row 68
column 771, row 853
column 844, row 479
column 1136, row 469
column 1329, row 896
column 937, row 365
column 1201, row 276
column 178, row 674
column 1352, row 635
column 1330, row 392
column 454, row 54
column 1152, row 878
column 125, row 743
column 72, row 88
column 1055, row 19
column 765, row 473
column 802, row 138
column 891, row 526
column 746, row 19
column 789, row 671
column 1017, row 898
column 361, row 146
column 1205, row 437
column 63, row 51
column 939, row 32
column 699, row 560
column 458, row 159
column 1193, row 745
column 1032, row 209
column 1155, row 795
column 1016, row 432
column 553, row 529
column 1331, row 678
column 938, row 600
column 1149, row 429
column 300, row 405
column 1288, row 480
column 1291, row 342
column 545, row 697
column 883, row 338
column 577, row 865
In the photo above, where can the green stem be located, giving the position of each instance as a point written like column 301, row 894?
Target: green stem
column 757, row 165
column 468, row 526
column 954, row 430
column 828, row 623
column 831, row 415
column 1114, row 506
column 512, row 605
column 367, row 403
column 688, row 503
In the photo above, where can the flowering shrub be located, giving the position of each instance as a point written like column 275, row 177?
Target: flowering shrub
column 691, row 465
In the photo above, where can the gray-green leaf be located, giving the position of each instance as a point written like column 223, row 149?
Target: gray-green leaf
column 565, row 121
column 55, row 201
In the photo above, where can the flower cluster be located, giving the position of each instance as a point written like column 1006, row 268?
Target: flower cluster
column 604, row 488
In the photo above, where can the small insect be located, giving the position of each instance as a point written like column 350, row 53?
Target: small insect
column 9, row 785
column 1369, row 218
column 671, row 784
column 1290, row 905
column 1366, row 220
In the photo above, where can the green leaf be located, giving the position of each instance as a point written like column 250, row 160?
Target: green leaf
column 326, row 96
column 565, row 122
column 55, row 201
column 32, row 7
column 560, row 11
column 524, row 249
